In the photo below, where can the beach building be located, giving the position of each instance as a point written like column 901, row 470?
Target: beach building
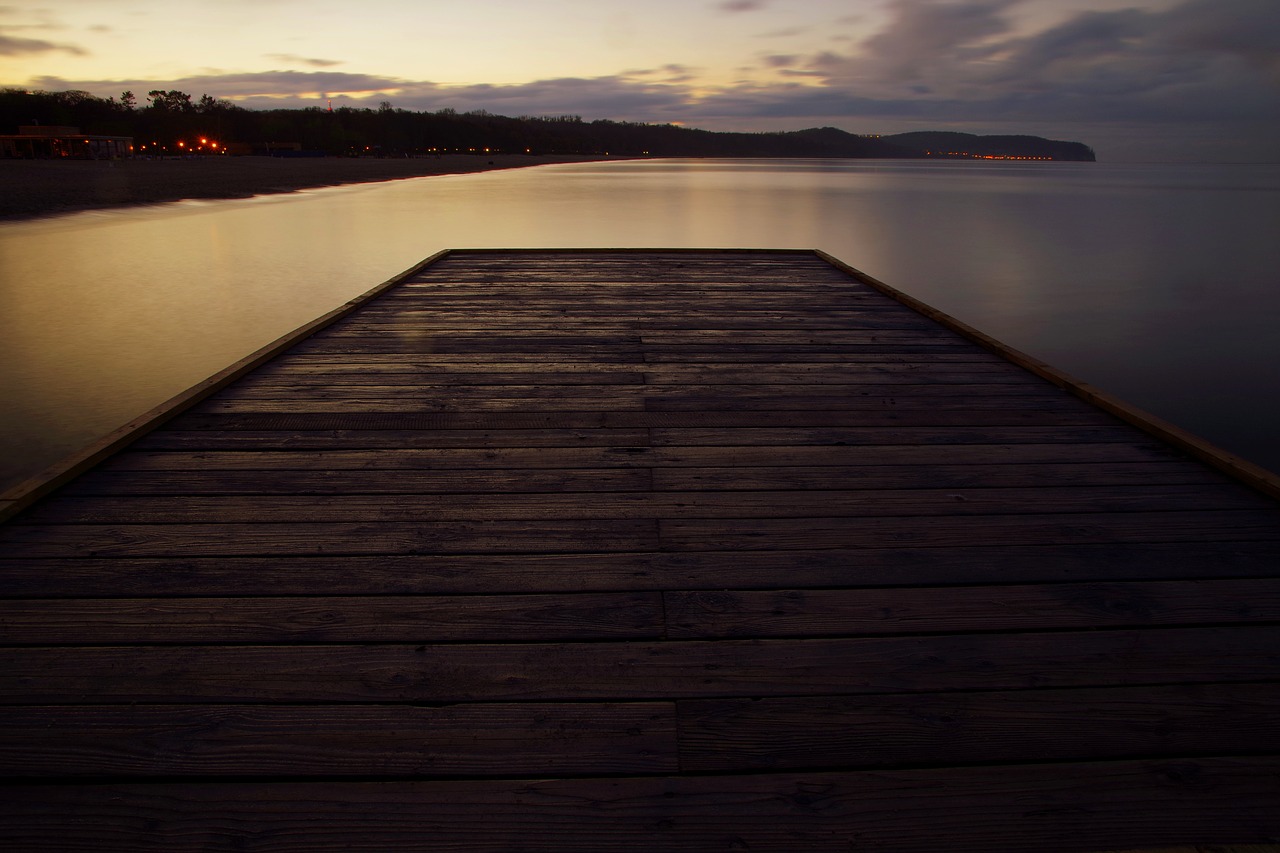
column 54, row 142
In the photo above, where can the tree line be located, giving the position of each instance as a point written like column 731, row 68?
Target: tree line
column 166, row 118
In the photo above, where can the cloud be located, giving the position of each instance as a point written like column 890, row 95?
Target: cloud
column 923, row 36
column 1248, row 29
column 294, row 59
column 785, row 32
column 742, row 5
column 599, row 97
column 1211, row 58
column 12, row 46
column 270, row 88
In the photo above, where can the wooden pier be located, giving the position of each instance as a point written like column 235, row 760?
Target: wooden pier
column 641, row 551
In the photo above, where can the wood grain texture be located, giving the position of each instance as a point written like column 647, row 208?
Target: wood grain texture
column 635, row 670
column 642, row 550
column 844, row 612
column 77, row 741
column 1089, row 806
column 332, row 619
column 468, row 574
column 726, row 735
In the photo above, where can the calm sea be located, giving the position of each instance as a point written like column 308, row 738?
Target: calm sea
column 1158, row 283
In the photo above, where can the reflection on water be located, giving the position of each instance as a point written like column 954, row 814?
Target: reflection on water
column 1157, row 283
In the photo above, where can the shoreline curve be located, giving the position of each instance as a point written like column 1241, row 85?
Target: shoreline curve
column 40, row 188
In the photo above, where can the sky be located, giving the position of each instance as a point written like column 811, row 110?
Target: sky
column 1139, row 80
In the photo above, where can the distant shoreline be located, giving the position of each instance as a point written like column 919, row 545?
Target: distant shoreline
column 37, row 188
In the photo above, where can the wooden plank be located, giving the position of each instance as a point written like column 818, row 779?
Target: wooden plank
column 711, row 353
column 322, row 482
column 61, row 742
column 567, row 346
column 322, row 538
column 463, row 422
column 815, row 374
column 1045, row 807
column 579, row 397
column 619, row 400
column 332, row 619
column 616, row 321
column 588, row 303
column 943, row 729
column 479, row 536
column 841, row 374
column 691, row 534
column 519, row 503
column 1072, row 416
column 314, row 377
column 392, row 363
column 847, row 612
column 778, row 335
column 549, row 305
column 901, row 435
column 184, row 574
column 411, row 399
column 975, row 476
column 1017, row 454
column 404, row 439
column 970, row 358
column 906, row 398
column 497, row 458
column 635, row 670
column 511, row 458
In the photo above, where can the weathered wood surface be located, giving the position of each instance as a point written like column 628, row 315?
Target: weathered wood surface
column 653, row 551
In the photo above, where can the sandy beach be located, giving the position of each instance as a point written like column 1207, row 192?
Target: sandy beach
column 34, row 188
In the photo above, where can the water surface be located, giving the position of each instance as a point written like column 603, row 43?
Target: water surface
column 1160, row 284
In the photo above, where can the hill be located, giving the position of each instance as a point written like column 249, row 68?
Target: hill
column 968, row 146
